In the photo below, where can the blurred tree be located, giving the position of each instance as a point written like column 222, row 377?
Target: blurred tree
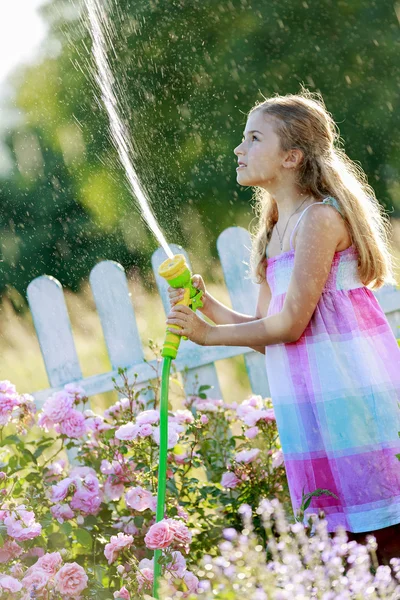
column 186, row 73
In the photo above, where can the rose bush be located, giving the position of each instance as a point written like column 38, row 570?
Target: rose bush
column 88, row 529
column 74, row 531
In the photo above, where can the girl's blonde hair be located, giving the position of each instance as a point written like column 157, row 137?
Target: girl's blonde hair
column 302, row 121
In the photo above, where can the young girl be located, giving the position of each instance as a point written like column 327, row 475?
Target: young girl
column 333, row 363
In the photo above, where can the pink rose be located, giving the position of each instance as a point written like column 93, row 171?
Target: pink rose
column 50, row 562
column 123, row 593
column 145, row 578
column 145, row 430
column 182, row 535
column 86, row 501
column 71, row 580
column 173, row 434
column 251, row 433
column 61, row 490
column 9, row 584
column 9, row 399
column 148, row 417
column 139, row 499
column 191, row 581
column 229, row 480
column 36, row 578
column 117, row 544
column 127, row 525
column 127, row 432
column 160, row 535
column 22, row 526
column 247, row 456
column 75, row 390
column 184, row 416
column 9, row 550
column 73, row 425
column 204, row 419
column 58, row 406
column 113, row 489
column 62, row 512
column 277, row 459
column 178, row 564
column 259, row 415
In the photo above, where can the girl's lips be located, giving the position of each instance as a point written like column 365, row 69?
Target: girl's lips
column 240, row 167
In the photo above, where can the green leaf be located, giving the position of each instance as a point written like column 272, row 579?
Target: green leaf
column 66, row 528
column 9, row 440
column 84, row 538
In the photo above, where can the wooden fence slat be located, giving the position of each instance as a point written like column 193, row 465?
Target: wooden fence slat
column 53, row 328
column 233, row 246
column 207, row 374
column 117, row 316
column 388, row 297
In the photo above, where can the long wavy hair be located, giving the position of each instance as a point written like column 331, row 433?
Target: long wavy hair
column 302, row 121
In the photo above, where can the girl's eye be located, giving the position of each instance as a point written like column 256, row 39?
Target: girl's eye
column 253, row 136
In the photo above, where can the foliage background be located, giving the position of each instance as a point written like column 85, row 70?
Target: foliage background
column 187, row 73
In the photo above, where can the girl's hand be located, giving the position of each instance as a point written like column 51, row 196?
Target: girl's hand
column 191, row 325
column 176, row 294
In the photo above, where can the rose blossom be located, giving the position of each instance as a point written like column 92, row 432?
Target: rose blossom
column 259, row 415
column 191, row 581
column 145, row 578
column 145, row 430
column 71, row 580
column 148, row 417
column 73, row 389
column 9, row 399
column 73, row 425
column 61, row 490
column 127, row 432
column 247, row 456
column 139, row 499
column 10, row 584
column 122, row 593
column 229, row 480
column 183, row 416
column 116, row 545
column 62, row 512
column 36, row 578
column 15, row 525
column 58, row 406
column 113, row 489
column 50, row 562
column 174, row 429
column 10, row 550
column 251, row 433
column 178, row 564
column 182, row 535
column 160, row 535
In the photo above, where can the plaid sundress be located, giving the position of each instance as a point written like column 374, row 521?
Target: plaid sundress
column 336, row 396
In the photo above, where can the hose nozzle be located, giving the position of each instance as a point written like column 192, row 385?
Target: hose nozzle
column 176, row 271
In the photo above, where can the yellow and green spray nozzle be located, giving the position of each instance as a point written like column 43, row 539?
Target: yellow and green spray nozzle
column 178, row 275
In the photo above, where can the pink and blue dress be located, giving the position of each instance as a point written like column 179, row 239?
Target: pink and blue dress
column 336, row 397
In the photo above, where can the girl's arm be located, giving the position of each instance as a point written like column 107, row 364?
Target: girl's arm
column 222, row 315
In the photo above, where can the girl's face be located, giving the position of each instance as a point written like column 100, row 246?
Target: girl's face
column 260, row 153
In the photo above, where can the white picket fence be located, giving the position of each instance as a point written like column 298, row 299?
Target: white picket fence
column 117, row 315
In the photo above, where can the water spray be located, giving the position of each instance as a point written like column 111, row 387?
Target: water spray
column 177, row 273
column 175, row 269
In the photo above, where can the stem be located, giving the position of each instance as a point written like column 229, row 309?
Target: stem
column 54, row 455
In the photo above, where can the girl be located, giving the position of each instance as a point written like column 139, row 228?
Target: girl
column 333, row 363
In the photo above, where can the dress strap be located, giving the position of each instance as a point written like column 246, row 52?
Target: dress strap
column 328, row 200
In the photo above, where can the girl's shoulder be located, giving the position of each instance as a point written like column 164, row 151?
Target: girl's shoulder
column 333, row 202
